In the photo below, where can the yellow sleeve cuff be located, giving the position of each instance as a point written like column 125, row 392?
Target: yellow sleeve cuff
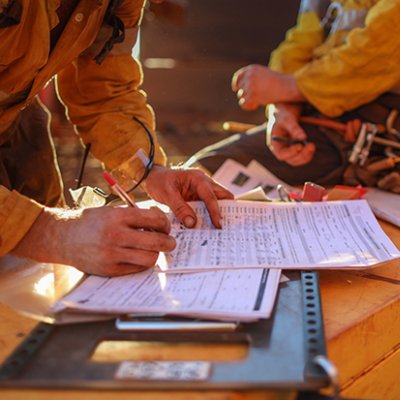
column 17, row 214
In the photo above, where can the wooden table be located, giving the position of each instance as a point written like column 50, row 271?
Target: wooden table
column 362, row 326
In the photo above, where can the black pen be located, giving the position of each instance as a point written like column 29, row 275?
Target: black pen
column 287, row 140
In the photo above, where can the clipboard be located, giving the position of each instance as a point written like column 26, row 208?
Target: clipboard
column 281, row 351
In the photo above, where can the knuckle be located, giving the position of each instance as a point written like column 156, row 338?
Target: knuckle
column 180, row 209
column 161, row 220
column 151, row 259
column 113, row 236
column 166, row 225
column 107, row 254
column 118, row 213
column 167, row 243
column 198, row 173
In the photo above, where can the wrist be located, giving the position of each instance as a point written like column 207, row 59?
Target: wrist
column 293, row 108
column 292, row 91
column 44, row 240
column 142, row 171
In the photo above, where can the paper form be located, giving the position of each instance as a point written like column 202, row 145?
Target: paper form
column 241, row 179
column 243, row 295
column 330, row 235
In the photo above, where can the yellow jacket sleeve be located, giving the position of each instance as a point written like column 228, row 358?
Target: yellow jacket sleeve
column 101, row 99
column 363, row 67
column 297, row 48
column 17, row 214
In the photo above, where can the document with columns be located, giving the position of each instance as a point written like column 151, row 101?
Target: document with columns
column 291, row 235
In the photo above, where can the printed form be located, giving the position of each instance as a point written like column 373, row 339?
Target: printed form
column 332, row 235
column 238, row 295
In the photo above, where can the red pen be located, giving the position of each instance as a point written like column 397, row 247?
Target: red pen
column 118, row 190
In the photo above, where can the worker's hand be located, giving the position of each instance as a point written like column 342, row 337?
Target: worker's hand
column 105, row 241
column 257, row 85
column 287, row 125
column 174, row 187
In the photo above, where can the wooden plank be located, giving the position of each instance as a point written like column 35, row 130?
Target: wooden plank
column 150, row 395
column 379, row 382
column 362, row 313
column 14, row 328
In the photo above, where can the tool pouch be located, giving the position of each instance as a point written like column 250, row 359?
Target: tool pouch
column 374, row 158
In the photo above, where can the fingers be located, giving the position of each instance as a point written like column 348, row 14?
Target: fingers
column 246, row 97
column 242, row 87
column 142, row 240
column 243, row 76
column 182, row 185
column 126, row 268
column 294, row 155
column 129, row 251
column 197, row 186
column 152, row 219
column 209, row 198
column 183, row 211
column 247, row 103
column 221, row 192
column 291, row 125
column 236, row 79
column 304, row 156
column 141, row 258
column 210, row 192
column 286, row 125
column 120, row 261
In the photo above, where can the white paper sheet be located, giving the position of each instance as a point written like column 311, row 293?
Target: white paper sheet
column 236, row 177
column 243, row 295
column 240, row 179
column 330, row 235
column 385, row 205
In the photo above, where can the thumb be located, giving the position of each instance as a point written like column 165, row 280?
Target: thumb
column 292, row 126
column 235, row 79
column 183, row 212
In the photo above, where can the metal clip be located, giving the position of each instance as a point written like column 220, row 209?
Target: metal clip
column 362, row 146
column 332, row 372
column 372, row 130
column 283, row 193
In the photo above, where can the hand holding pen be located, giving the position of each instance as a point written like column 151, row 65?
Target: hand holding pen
column 287, row 140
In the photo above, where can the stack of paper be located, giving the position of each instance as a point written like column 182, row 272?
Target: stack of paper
column 241, row 295
column 233, row 273
column 243, row 260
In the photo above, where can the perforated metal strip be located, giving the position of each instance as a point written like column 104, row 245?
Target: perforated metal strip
column 23, row 353
column 314, row 337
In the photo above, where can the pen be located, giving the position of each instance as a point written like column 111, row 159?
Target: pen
column 285, row 139
column 118, row 190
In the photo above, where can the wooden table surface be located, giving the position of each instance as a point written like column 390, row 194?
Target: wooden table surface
column 362, row 326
